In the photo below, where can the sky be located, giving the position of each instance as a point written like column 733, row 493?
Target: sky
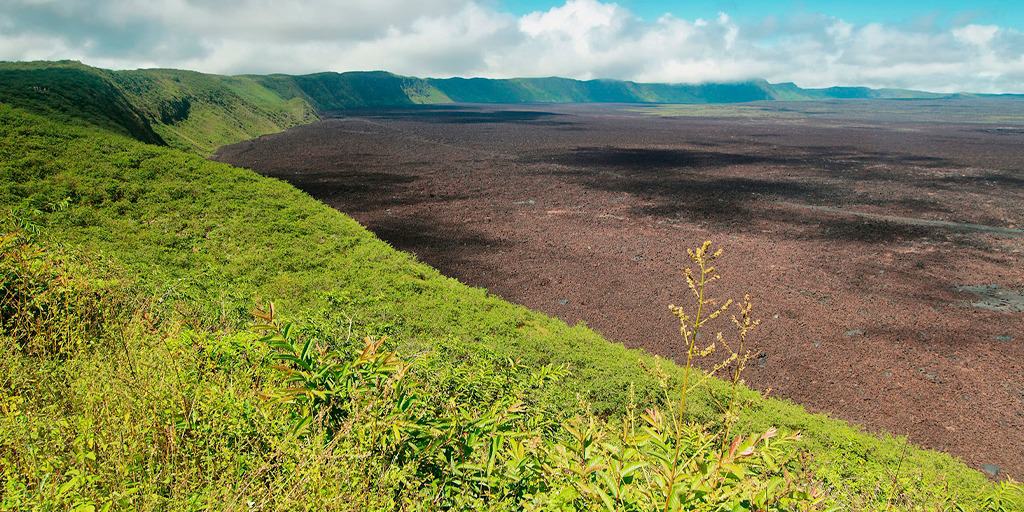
column 937, row 45
column 1008, row 12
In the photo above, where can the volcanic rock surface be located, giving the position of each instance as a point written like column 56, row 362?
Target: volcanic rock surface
column 866, row 232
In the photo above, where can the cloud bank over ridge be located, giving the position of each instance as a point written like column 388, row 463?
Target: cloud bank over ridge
column 578, row 39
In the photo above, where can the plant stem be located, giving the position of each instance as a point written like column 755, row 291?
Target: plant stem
column 691, row 343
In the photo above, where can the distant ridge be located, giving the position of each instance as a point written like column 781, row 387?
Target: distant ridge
column 565, row 90
column 198, row 111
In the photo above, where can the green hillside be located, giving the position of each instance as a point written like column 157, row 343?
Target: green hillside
column 201, row 112
column 791, row 92
column 196, row 111
column 192, row 110
column 183, row 109
column 134, row 379
column 73, row 92
column 564, row 90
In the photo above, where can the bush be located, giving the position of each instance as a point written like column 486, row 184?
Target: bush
column 507, row 455
column 44, row 307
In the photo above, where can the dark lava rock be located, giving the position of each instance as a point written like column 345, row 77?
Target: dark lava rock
column 931, row 376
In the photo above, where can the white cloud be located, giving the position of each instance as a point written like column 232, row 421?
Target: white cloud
column 580, row 39
column 977, row 35
column 577, row 20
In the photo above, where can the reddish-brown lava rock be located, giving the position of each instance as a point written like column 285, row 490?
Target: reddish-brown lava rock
column 585, row 213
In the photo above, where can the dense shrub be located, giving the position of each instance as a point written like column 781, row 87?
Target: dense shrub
column 44, row 309
column 178, row 418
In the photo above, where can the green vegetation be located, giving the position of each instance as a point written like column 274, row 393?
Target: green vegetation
column 200, row 112
column 337, row 91
column 132, row 376
column 143, row 410
column 195, row 111
column 563, row 90
column 72, row 92
column 183, row 109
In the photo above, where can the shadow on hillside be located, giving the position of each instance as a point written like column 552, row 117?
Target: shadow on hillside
column 850, row 159
column 988, row 179
column 837, row 158
column 356, row 191
column 872, row 231
column 644, row 159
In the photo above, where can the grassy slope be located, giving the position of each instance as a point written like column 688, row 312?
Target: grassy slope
column 791, row 92
column 562, row 90
column 73, row 92
column 195, row 111
column 200, row 112
column 183, row 109
column 223, row 238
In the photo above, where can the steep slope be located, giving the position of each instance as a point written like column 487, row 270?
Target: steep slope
column 73, row 92
column 182, row 109
column 338, row 91
column 216, row 239
column 564, row 90
column 791, row 92
column 198, row 111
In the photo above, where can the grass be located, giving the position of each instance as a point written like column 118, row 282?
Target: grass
column 199, row 112
column 208, row 241
column 73, row 93
column 147, row 408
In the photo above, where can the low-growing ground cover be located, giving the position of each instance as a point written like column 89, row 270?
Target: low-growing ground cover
column 187, row 247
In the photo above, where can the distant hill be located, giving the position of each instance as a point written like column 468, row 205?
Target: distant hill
column 564, row 90
column 200, row 112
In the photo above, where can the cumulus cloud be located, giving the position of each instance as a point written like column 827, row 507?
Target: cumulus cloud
column 580, row 39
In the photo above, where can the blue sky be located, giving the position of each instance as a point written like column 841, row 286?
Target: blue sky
column 1008, row 13
column 937, row 45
